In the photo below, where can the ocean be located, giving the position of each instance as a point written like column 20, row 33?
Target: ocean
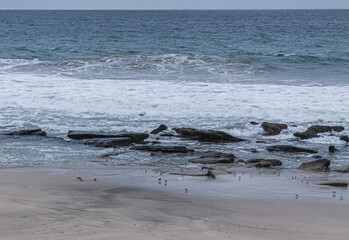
column 134, row 70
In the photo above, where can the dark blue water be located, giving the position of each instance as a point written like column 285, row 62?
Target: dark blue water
column 292, row 47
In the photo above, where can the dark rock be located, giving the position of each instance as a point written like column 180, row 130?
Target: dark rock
column 240, row 161
column 254, row 123
column 261, row 141
column 168, row 135
column 314, row 130
column 32, row 132
column 108, row 142
column 289, row 148
column 332, row 149
column 207, row 135
column 318, row 165
column 263, row 163
column 213, row 158
column 253, row 150
column 164, row 149
column 345, row 138
column 316, row 156
column 273, row 128
column 161, row 128
column 335, row 184
column 79, row 135
column 210, row 174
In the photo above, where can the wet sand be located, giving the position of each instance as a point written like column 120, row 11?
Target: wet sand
column 46, row 205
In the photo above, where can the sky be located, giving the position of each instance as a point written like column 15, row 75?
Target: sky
column 174, row 4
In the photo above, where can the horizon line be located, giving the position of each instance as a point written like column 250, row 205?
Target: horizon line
column 163, row 9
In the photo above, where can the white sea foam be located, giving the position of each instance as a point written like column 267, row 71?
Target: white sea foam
column 32, row 99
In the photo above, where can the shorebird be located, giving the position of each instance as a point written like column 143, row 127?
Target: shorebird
column 186, row 190
column 95, row 179
column 297, row 196
column 165, row 182
column 79, row 178
column 159, row 180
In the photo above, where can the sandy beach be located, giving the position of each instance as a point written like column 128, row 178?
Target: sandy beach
column 45, row 205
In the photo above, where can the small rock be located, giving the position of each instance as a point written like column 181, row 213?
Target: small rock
column 332, row 149
column 273, row 128
column 254, row 123
column 318, row 165
column 289, row 148
column 161, row 128
column 79, row 135
column 210, row 174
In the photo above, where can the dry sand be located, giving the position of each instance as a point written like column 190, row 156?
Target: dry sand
column 42, row 205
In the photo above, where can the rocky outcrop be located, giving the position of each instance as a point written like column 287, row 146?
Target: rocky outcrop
column 164, row 149
column 335, row 184
column 273, row 128
column 213, row 158
column 159, row 129
column 108, row 142
column 313, row 131
column 289, row 149
column 318, row 165
column 31, row 132
column 79, row 135
column 206, row 135
column 263, row 163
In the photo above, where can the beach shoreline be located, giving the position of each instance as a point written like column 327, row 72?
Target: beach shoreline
column 37, row 203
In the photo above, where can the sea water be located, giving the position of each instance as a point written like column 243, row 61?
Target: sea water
column 134, row 70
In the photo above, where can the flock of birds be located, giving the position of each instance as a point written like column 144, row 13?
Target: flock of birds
column 297, row 196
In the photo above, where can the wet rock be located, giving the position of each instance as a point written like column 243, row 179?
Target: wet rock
column 213, row 158
column 263, row 163
column 273, row 128
column 254, row 123
column 289, row 149
column 108, row 142
column 168, row 135
column 79, row 135
column 164, row 149
column 161, row 128
column 316, row 156
column 314, row 130
column 318, row 165
column 261, row 141
column 207, row 135
column 31, row 132
column 345, row 138
column 335, row 184
column 332, row 149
